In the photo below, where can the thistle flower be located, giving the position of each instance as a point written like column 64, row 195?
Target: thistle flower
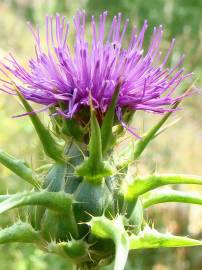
column 84, row 207
column 59, row 76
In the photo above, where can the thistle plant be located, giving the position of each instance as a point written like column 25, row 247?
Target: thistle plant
column 84, row 204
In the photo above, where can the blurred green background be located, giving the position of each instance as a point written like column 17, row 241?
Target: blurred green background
column 177, row 150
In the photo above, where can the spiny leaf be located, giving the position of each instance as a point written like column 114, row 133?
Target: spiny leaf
column 150, row 238
column 155, row 131
column 141, row 185
column 94, row 168
column 51, row 148
column 59, row 202
column 75, row 250
column 141, row 144
column 19, row 232
column 95, row 145
column 56, row 201
column 107, row 124
column 171, row 196
column 43, row 168
column 72, row 129
column 4, row 197
column 166, row 127
column 68, row 127
column 113, row 229
column 19, row 168
column 136, row 217
column 127, row 118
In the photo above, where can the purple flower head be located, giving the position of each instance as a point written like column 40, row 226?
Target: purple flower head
column 60, row 75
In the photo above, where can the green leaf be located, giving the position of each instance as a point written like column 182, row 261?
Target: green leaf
column 114, row 230
column 4, row 197
column 166, row 127
column 150, row 238
column 75, row 250
column 68, row 127
column 71, row 128
column 171, row 196
column 94, row 168
column 107, row 124
column 141, row 144
column 95, row 145
column 59, row 202
column 127, row 119
column 56, row 201
column 19, row 232
column 136, row 218
column 44, row 168
column 141, row 185
column 19, row 168
column 51, row 148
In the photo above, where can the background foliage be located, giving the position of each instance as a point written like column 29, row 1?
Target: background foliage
column 178, row 150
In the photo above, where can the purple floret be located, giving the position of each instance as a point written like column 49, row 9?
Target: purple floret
column 59, row 74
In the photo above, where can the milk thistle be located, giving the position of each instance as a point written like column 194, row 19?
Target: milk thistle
column 85, row 208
